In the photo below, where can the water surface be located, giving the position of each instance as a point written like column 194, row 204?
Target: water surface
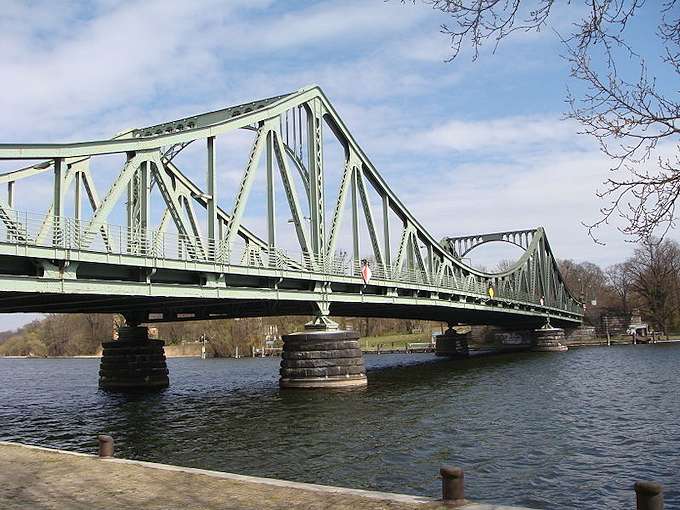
column 567, row 430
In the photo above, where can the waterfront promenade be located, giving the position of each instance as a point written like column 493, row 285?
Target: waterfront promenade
column 40, row 478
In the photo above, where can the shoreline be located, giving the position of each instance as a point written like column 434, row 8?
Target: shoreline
column 473, row 352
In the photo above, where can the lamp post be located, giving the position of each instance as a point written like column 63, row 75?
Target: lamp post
column 606, row 328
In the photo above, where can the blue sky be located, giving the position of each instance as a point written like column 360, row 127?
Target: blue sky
column 468, row 146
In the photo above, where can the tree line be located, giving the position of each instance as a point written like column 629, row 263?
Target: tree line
column 83, row 334
column 59, row 335
column 648, row 281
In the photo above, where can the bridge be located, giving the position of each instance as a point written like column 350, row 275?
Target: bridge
column 158, row 246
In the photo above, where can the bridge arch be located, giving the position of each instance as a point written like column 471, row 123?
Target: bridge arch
column 463, row 245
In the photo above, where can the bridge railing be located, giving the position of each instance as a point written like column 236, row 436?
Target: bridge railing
column 19, row 228
column 22, row 229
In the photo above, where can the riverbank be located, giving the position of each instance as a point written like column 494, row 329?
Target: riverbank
column 618, row 340
column 35, row 477
column 374, row 346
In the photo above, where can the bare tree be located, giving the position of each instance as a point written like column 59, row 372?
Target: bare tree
column 635, row 120
column 57, row 332
column 620, row 279
column 503, row 265
column 585, row 279
column 99, row 329
column 654, row 270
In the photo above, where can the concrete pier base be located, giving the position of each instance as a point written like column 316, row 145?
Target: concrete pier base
column 452, row 344
column 549, row 339
column 323, row 358
column 134, row 362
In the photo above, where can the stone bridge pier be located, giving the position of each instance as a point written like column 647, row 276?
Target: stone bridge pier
column 452, row 344
column 134, row 362
column 548, row 339
column 322, row 356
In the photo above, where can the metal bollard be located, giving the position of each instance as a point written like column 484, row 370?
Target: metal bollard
column 453, row 492
column 649, row 495
column 105, row 446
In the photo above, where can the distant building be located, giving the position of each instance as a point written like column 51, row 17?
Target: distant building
column 636, row 326
column 621, row 324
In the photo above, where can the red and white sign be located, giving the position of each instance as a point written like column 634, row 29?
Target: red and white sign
column 365, row 271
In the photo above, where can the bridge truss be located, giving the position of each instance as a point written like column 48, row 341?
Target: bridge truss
column 188, row 265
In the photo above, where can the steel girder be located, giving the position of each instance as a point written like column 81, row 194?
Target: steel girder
column 95, row 256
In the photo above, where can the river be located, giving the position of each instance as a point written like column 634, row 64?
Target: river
column 567, row 430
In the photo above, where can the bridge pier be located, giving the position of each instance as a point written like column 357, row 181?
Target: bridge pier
column 549, row 339
column 134, row 362
column 322, row 356
column 452, row 344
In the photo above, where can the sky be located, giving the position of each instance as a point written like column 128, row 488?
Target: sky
column 469, row 146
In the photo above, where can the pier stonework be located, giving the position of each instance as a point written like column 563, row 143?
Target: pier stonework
column 322, row 358
column 134, row 362
column 549, row 339
column 452, row 344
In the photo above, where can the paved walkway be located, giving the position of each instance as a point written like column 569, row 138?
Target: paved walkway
column 40, row 478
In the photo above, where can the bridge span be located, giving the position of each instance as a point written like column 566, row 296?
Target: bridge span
column 156, row 246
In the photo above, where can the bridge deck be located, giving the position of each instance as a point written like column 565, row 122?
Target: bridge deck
column 32, row 477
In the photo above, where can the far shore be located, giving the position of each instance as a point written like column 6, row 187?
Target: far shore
column 385, row 348
column 84, row 356
column 52, row 357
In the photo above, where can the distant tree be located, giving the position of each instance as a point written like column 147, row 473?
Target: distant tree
column 654, row 269
column 24, row 344
column 503, row 265
column 585, row 280
column 634, row 118
column 620, row 278
column 56, row 333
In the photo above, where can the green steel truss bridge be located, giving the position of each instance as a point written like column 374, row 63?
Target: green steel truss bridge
column 192, row 265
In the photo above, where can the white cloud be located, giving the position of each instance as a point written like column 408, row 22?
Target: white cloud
column 127, row 55
column 332, row 20
column 510, row 134
column 553, row 190
column 71, row 70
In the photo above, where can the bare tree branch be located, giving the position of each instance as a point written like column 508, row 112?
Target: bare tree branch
column 636, row 122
